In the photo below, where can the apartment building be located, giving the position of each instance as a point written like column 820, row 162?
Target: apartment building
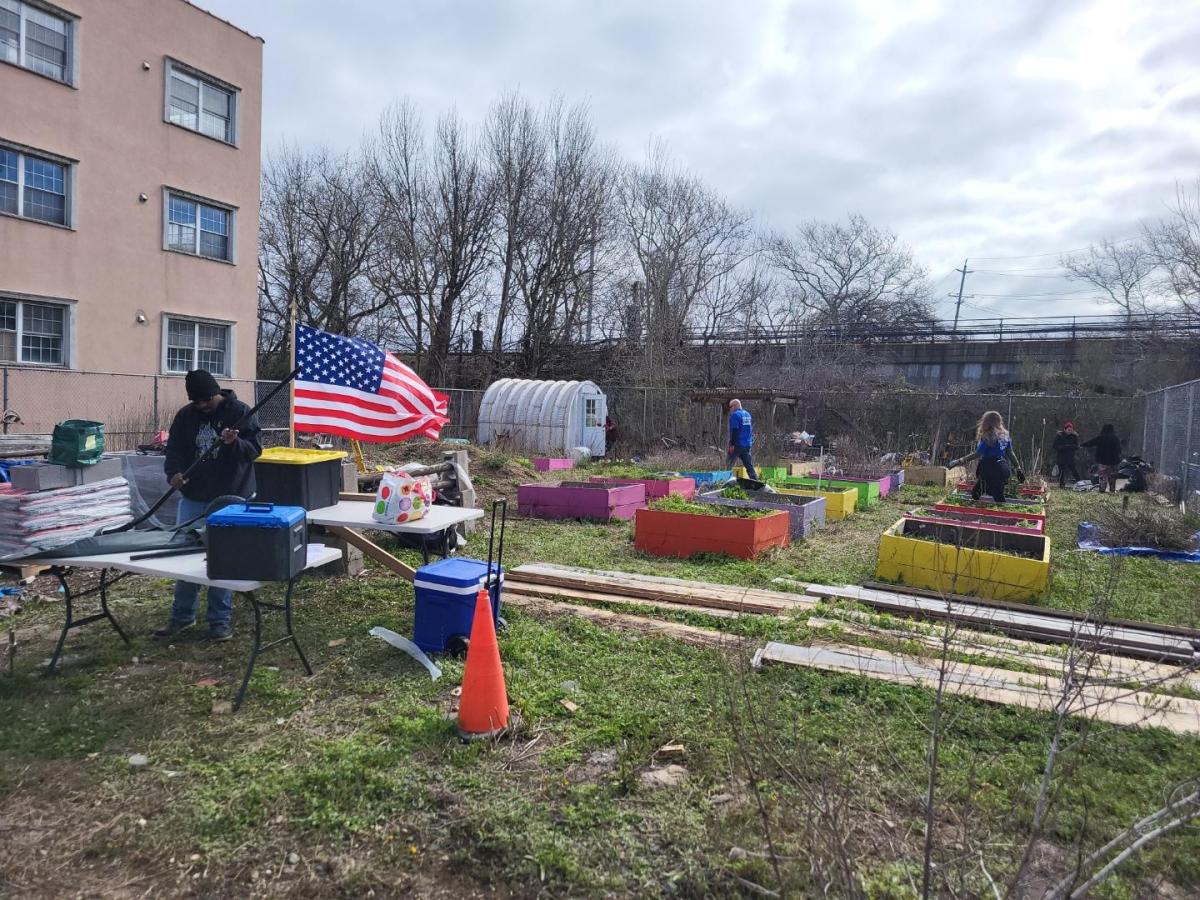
column 129, row 191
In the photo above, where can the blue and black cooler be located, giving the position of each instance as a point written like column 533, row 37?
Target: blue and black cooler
column 256, row 542
column 446, row 591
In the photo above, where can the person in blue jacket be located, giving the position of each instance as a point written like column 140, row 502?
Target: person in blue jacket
column 993, row 450
column 741, row 438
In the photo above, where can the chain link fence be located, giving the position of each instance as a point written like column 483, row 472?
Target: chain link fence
column 1171, row 435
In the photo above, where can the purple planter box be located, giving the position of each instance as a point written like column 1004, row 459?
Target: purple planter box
column 552, row 463
column 806, row 514
column 885, row 482
column 580, row 500
column 656, row 488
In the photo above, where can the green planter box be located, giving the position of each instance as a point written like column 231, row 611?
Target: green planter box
column 868, row 491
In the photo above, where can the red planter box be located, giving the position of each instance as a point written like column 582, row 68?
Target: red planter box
column 656, row 488
column 997, row 514
column 552, row 463
column 580, row 500
column 662, row 533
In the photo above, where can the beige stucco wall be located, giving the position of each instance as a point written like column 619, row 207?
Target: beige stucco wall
column 111, row 263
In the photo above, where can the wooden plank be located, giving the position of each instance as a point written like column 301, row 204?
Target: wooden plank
column 369, row 498
column 583, row 578
column 531, row 590
column 689, row 634
column 1025, row 623
column 733, row 599
column 1108, row 703
column 31, row 570
column 373, row 550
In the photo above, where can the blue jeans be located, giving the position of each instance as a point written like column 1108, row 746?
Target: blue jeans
column 220, row 601
column 743, row 454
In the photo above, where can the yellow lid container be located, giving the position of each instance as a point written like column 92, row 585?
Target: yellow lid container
column 297, row 456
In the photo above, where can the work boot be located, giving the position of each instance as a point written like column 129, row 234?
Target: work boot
column 172, row 629
column 220, row 632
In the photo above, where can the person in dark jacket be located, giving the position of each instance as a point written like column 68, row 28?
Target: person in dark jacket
column 741, row 438
column 1066, row 445
column 1108, row 456
column 994, row 451
column 210, row 418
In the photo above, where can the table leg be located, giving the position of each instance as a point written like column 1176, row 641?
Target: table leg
column 70, row 621
column 258, row 647
column 254, row 649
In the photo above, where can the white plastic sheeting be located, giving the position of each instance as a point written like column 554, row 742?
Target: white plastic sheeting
column 543, row 417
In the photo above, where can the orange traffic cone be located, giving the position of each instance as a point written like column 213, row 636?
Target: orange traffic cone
column 483, row 707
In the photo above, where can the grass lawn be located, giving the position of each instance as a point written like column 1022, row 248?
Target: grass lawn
column 353, row 781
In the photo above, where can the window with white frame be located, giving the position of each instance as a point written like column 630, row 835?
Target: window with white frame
column 199, row 227
column 36, row 39
column 34, row 187
column 591, row 412
column 192, row 344
column 200, row 103
column 32, row 332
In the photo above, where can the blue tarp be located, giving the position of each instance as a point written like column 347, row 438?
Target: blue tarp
column 1089, row 539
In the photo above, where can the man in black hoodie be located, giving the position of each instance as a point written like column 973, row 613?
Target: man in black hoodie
column 208, row 419
column 1108, row 456
column 1066, row 443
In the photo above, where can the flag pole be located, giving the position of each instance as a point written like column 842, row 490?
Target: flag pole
column 292, row 369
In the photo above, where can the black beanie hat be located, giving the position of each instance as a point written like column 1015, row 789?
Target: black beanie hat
column 201, row 385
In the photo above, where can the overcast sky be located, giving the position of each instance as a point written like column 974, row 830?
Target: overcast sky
column 972, row 129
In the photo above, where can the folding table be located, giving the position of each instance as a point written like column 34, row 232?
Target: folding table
column 191, row 568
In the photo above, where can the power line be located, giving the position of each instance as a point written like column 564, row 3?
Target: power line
column 1054, row 252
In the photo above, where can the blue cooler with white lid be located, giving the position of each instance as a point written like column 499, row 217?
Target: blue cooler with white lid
column 256, row 542
column 445, row 607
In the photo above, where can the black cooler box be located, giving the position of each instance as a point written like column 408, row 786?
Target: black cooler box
column 256, row 542
column 296, row 477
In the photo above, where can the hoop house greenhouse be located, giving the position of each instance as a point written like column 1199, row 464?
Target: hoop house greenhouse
column 543, row 416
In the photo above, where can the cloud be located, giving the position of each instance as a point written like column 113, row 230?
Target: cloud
column 984, row 130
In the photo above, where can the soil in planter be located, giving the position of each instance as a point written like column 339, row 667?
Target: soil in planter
column 1024, row 554
column 965, row 520
column 677, row 504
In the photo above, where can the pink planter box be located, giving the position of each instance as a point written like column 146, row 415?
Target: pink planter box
column 552, row 463
column 580, row 500
column 656, row 488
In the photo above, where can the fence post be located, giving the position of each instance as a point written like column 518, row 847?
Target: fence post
column 1162, row 438
column 4, row 414
column 1187, row 442
column 156, row 422
column 1145, row 422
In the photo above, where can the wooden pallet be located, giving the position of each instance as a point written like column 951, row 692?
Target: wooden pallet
column 25, row 572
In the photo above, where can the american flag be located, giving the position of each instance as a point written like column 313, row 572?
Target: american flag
column 352, row 388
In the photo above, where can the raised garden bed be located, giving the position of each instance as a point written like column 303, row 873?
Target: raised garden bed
column 656, row 487
column 868, row 491
column 1035, row 491
column 685, row 529
column 933, row 476
column 838, row 503
column 884, row 482
column 912, row 559
column 962, row 532
column 994, row 515
column 552, row 463
column 707, row 479
column 580, row 500
column 765, row 473
column 807, row 513
column 1017, row 504
column 812, row 467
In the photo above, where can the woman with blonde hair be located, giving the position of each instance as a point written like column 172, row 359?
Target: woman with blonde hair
column 993, row 450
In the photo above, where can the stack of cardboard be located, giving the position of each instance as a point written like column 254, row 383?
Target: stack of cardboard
column 35, row 520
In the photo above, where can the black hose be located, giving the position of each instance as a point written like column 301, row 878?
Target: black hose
column 208, row 454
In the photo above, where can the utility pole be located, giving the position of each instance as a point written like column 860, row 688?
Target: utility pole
column 958, row 303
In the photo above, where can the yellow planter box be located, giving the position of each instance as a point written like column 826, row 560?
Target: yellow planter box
column 812, row 467
column 961, row 570
column 838, row 504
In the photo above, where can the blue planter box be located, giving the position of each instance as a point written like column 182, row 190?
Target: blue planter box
column 708, row 479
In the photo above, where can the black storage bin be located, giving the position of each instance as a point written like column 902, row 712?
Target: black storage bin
column 256, row 542
column 295, row 477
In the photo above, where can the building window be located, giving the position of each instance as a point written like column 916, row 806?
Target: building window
column 33, row 332
column 36, row 39
column 198, row 227
column 197, row 345
column 33, row 187
column 972, row 371
column 200, row 103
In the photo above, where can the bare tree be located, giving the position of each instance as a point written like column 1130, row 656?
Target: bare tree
column 851, row 277
column 438, row 220
column 1121, row 271
column 318, row 234
column 1175, row 245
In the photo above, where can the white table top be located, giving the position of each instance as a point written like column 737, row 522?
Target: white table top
column 190, row 567
column 356, row 514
